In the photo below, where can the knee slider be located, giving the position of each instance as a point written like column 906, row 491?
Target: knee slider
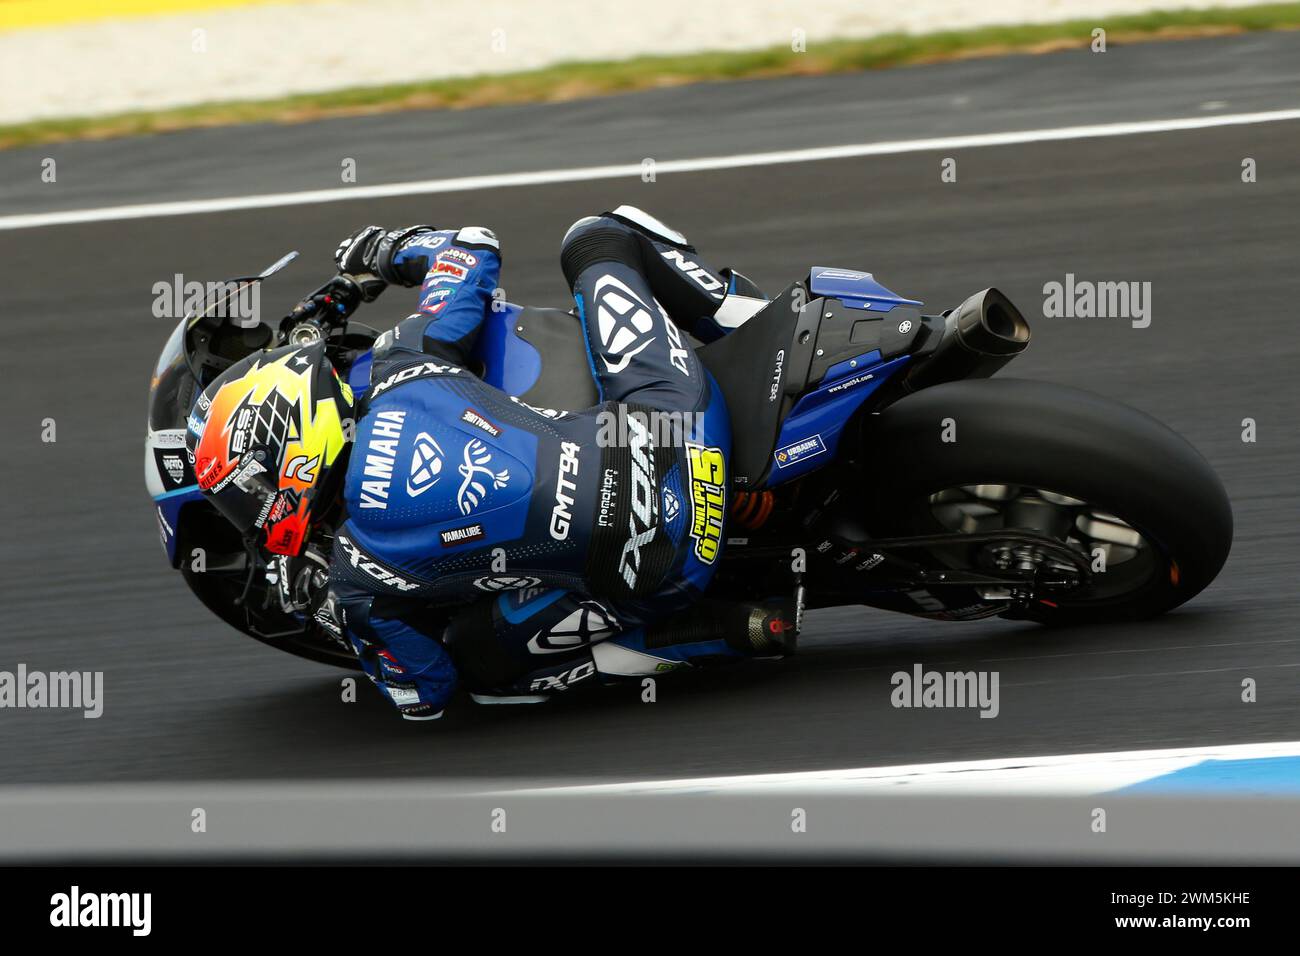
column 655, row 229
column 598, row 239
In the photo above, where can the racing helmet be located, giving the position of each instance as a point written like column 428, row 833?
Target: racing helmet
column 264, row 438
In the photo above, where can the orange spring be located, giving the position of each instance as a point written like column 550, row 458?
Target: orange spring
column 751, row 509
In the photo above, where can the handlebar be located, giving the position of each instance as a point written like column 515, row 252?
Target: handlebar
column 324, row 310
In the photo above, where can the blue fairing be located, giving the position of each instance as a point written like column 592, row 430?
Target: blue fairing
column 359, row 374
column 857, row 290
column 510, row 363
column 169, row 506
column 810, row 434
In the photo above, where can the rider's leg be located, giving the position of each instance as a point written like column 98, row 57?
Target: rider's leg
column 706, row 302
column 639, row 357
column 520, row 646
column 634, row 347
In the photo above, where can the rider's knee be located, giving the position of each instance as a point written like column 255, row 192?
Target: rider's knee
column 480, row 655
column 596, row 239
column 649, row 226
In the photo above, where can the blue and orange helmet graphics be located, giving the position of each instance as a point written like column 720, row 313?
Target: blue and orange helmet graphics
column 263, row 439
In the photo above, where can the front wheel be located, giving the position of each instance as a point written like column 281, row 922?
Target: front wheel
column 987, row 455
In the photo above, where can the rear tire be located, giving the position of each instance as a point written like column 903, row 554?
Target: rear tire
column 1067, row 441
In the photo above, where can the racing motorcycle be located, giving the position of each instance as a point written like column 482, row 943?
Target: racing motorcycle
column 875, row 461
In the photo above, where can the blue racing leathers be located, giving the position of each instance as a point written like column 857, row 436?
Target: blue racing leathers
column 554, row 530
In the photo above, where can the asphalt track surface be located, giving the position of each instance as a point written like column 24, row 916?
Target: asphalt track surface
column 85, row 585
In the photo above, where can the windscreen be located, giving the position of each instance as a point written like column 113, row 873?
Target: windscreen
column 172, row 390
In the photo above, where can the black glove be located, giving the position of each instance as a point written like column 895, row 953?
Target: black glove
column 355, row 254
column 368, row 254
column 355, row 257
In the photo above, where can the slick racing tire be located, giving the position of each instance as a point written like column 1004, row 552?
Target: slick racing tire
column 989, row 454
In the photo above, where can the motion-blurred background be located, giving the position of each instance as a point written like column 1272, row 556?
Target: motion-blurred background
column 144, row 104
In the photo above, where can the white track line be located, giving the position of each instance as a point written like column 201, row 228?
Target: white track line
column 1072, row 774
column 631, row 170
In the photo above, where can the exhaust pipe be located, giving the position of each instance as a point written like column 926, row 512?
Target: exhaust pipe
column 980, row 336
column 988, row 324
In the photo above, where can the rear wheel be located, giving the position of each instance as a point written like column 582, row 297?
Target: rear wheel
column 1110, row 483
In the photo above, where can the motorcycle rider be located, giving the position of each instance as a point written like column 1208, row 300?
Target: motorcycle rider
column 525, row 549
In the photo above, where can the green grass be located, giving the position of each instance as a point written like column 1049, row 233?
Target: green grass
column 584, row 79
